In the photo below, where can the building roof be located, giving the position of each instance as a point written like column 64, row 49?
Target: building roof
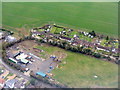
column 24, row 61
column 1, row 33
column 4, row 74
column 21, row 56
column 117, row 50
column 39, row 33
column 83, row 42
column 19, row 83
column 2, row 81
column 10, row 38
column 10, row 83
column 65, row 38
column 41, row 74
column 99, row 46
column 13, row 60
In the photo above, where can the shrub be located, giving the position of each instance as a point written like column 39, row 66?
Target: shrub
column 32, row 81
column 117, row 61
column 97, row 55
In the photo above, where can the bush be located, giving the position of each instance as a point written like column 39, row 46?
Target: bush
column 117, row 62
column 97, row 55
column 109, row 58
column 32, row 81
column 87, row 51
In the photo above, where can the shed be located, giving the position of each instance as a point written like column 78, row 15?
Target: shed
column 1, row 35
column 41, row 74
column 12, row 60
column 10, row 39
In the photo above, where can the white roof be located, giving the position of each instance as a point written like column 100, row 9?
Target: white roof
column 1, row 34
column 10, row 38
column 21, row 56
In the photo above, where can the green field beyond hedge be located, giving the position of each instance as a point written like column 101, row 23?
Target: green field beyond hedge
column 101, row 17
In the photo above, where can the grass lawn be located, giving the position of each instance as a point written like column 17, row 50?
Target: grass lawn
column 73, row 33
column 100, row 17
column 58, row 30
column 79, row 71
column 53, row 29
column 109, row 45
column 41, row 30
column 116, row 44
column 86, row 38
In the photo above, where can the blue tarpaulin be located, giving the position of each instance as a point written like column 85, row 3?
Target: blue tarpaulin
column 41, row 74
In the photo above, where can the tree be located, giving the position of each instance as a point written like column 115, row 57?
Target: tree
column 87, row 51
column 32, row 81
column 75, row 49
column 41, row 40
column 63, row 44
column 54, row 42
column 97, row 55
column 107, row 38
column 92, row 33
column 67, row 47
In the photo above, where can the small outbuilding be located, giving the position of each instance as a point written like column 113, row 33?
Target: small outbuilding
column 41, row 74
column 10, row 83
column 12, row 60
column 2, row 82
column 10, row 39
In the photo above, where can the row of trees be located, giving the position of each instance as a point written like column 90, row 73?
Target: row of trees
column 66, row 45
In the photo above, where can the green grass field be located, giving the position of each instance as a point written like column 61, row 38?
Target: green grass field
column 101, row 17
column 79, row 70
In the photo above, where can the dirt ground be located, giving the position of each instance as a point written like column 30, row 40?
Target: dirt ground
column 28, row 46
column 60, row 54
